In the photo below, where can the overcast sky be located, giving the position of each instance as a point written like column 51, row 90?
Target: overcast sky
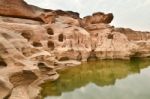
column 133, row 14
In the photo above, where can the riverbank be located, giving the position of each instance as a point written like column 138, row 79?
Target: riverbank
column 34, row 42
column 109, row 79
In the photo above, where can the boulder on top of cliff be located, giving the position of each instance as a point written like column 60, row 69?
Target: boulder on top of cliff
column 97, row 18
column 107, row 18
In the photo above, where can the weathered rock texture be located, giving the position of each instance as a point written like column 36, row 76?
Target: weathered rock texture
column 34, row 42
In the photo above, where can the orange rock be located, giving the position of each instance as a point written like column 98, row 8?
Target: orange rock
column 96, row 18
column 31, row 50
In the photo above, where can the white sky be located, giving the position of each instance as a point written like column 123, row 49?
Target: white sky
column 133, row 14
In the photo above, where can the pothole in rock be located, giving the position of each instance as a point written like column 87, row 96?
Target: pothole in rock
column 110, row 36
column 2, row 63
column 50, row 31
column 60, row 37
column 51, row 45
column 37, row 44
column 7, row 97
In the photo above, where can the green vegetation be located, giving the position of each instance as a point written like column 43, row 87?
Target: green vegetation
column 101, row 73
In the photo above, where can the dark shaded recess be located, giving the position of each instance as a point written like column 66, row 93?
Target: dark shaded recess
column 51, row 45
column 2, row 63
column 92, row 56
column 43, row 67
column 37, row 44
column 61, row 38
column 8, row 96
column 109, row 18
column 63, row 59
column 110, row 36
column 55, row 64
column 50, row 31
column 26, row 35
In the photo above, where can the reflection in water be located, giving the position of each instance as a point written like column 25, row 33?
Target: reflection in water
column 94, row 76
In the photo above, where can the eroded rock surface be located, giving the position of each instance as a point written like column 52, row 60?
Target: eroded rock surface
column 35, row 42
column 97, row 18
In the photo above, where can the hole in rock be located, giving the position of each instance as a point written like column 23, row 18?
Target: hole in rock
column 2, row 63
column 43, row 67
column 110, row 36
column 50, row 31
column 26, row 35
column 51, row 45
column 55, row 64
column 61, row 37
column 37, row 44
column 148, row 56
column 63, row 59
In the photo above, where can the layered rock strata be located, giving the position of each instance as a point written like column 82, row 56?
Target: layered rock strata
column 35, row 42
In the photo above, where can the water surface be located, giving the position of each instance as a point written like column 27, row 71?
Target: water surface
column 106, row 79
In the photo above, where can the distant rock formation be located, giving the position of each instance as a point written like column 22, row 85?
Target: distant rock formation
column 35, row 42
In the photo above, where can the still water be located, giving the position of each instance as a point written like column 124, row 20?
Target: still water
column 107, row 79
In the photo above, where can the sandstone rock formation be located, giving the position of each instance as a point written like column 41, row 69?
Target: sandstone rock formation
column 97, row 18
column 18, row 8
column 35, row 42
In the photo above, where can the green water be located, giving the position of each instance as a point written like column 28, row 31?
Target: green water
column 107, row 79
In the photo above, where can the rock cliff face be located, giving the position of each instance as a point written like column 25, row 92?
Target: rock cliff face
column 17, row 8
column 35, row 42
